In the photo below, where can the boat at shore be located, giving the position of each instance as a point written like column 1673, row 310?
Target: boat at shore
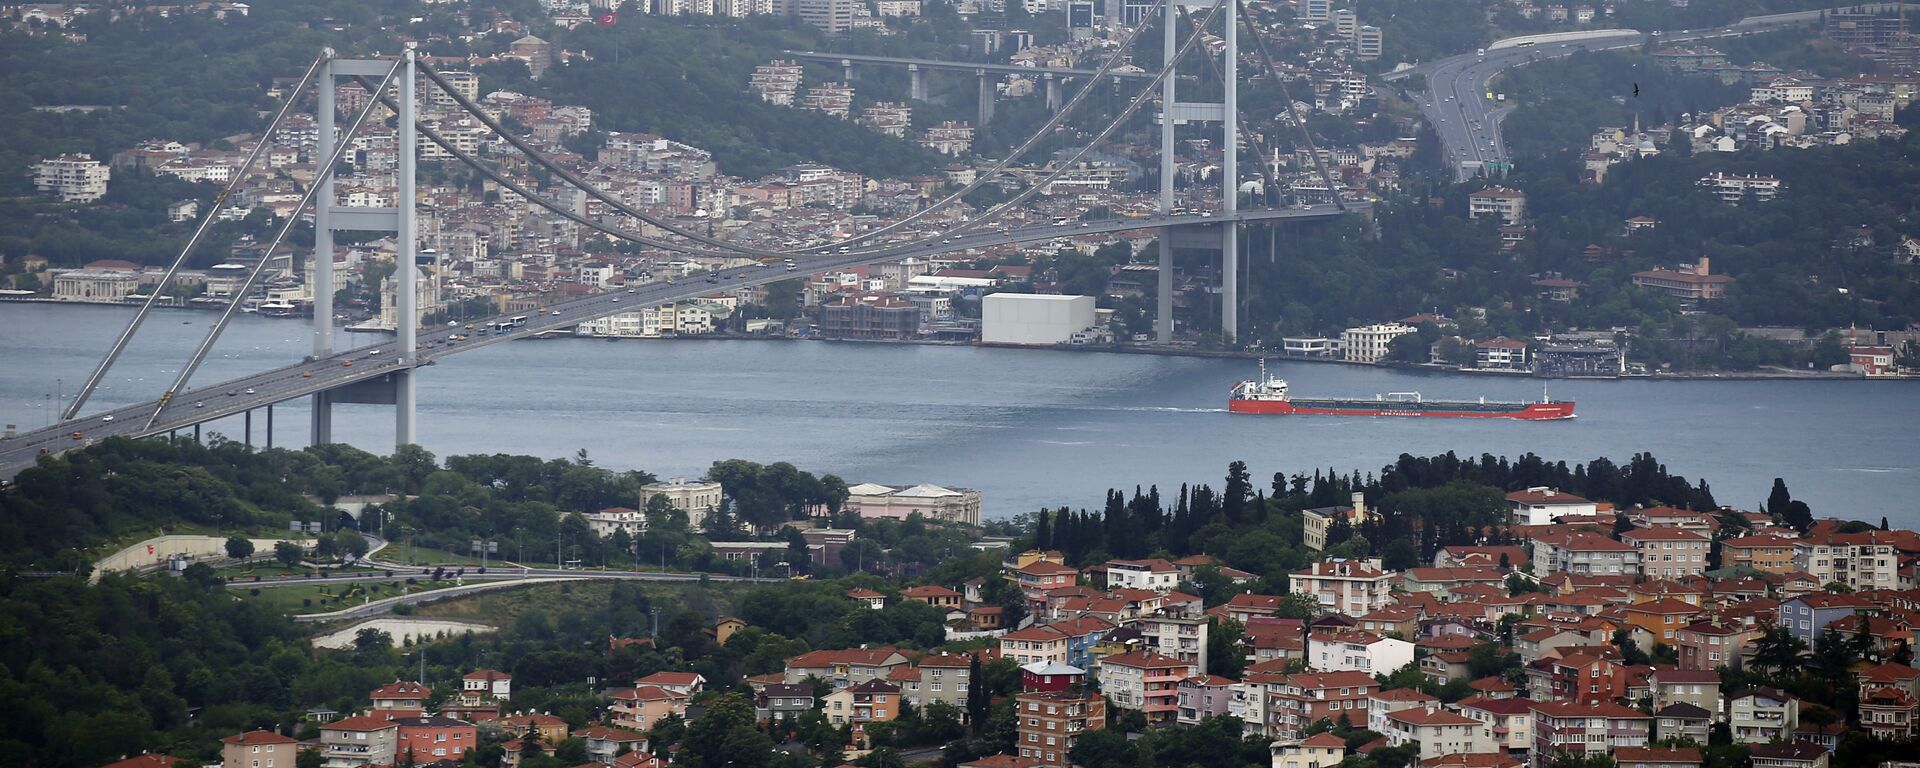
column 1269, row 395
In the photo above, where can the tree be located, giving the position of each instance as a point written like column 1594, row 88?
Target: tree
column 979, row 697
column 288, row 553
column 1400, row 555
column 725, row 737
column 1107, row 748
column 1777, row 650
column 239, row 547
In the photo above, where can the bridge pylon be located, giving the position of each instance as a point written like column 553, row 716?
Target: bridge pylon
column 1174, row 113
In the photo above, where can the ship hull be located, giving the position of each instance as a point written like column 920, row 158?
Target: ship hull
column 1453, row 410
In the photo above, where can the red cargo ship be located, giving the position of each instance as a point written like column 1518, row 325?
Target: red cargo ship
column 1269, row 395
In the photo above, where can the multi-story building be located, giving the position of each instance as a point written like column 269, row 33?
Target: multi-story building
column 1789, row 754
column 72, row 178
column 780, row 702
column 1588, row 729
column 1368, row 42
column 697, row 498
column 258, row 749
column 1369, row 343
column 1888, row 713
column 1657, row 757
column 1352, row 587
column 1203, row 696
column 1583, row 553
column 844, row 667
column 1807, row 616
column 1669, row 553
column 1509, row 721
column 643, row 707
column 870, row 316
column 485, row 684
column 898, row 502
column 425, row 740
column 1541, row 505
column 830, row 16
column 1713, row 643
column 1675, row 685
column 1183, row 638
column 1734, row 187
column 1047, row 724
column 359, row 741
column 1357, row 649
column 1438, row 732
column 1689, row 282
column 1153, row 573
column 1145, row 682
column 1662, row 618
column 401, row 698
column 1769, row 553
column 1292, row 703
column 1763, row 715
column 1321, row 750
column 1038, row 643
column 1507, row 205
column 862, row 704
column 1862, row 561
column 1316, row 522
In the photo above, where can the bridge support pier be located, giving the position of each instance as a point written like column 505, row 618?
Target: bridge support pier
column 322, row 418
column 1163, row 299
column 247, row 431
column 269, row 427
column 986, row 97
column 916, row 83
column 1053, row 92
column 846, row 71
column 196, row 433
column 403, row 408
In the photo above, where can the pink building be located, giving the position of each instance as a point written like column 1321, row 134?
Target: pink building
column 639, row 708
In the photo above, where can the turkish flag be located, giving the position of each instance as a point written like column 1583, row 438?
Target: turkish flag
column 606, row 19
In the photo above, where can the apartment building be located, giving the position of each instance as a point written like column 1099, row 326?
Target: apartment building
column 1369, row 343
column 1509, row 206
column 1344, row 649
column 1669, row 553
column 1321, row 750
column 1541, row 505
column 1047, row 724
column 1733, row 187
column 1863, row 561
column 258, row 749
column 1763, row 715
column 72, row 178
column 1662, row 619
column 1438, row 732
column 1352, row 587
column 358, row 741
column 1145, row 682
column 1316, row 522
column 1154, row 574
column 1674, row 685
column 844, row 667
column 1583, row 553
column 1769, row 553
column 1807, row 616
column 1592, row 729
column 1713, row 643
column 1509, row 721
column 1288, row 704
column 1180, row 637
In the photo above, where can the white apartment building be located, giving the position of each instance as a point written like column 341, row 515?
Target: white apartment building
column 1438, row 732
column 1507, row 205
column 1583, row 553
column 72, row 178
column 1368, row 42
column 1352, row 587
column 1316, row 522
column 1733, row 187
column 1368, row 343
column 1154, row 573
column 898, row 502
column 1182, row 638
column 1669, row 553
column 1862, row 561
column 1541, row 505
column 1357, row 650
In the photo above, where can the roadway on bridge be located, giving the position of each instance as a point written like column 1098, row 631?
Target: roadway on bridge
column 1468, row 122
column 259, row 390
column 957, row 66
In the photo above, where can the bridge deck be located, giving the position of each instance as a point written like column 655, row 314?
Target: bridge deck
column 213, row 401
column 955, row 66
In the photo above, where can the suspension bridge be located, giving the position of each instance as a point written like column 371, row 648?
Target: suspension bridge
column 386, row 373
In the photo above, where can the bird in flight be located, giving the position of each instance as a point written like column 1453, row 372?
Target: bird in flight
column 1636, row 90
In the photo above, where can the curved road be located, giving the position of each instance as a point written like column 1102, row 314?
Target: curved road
column 1468, row 123
column 259, row 390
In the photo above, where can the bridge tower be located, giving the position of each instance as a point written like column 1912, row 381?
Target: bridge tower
column 1174, row 113
column 329, row 217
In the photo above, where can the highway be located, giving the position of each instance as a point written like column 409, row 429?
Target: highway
column 212, row 401
column 1468, row 123
column 956, row 66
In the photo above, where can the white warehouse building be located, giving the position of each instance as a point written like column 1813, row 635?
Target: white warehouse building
column 1033, row 318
